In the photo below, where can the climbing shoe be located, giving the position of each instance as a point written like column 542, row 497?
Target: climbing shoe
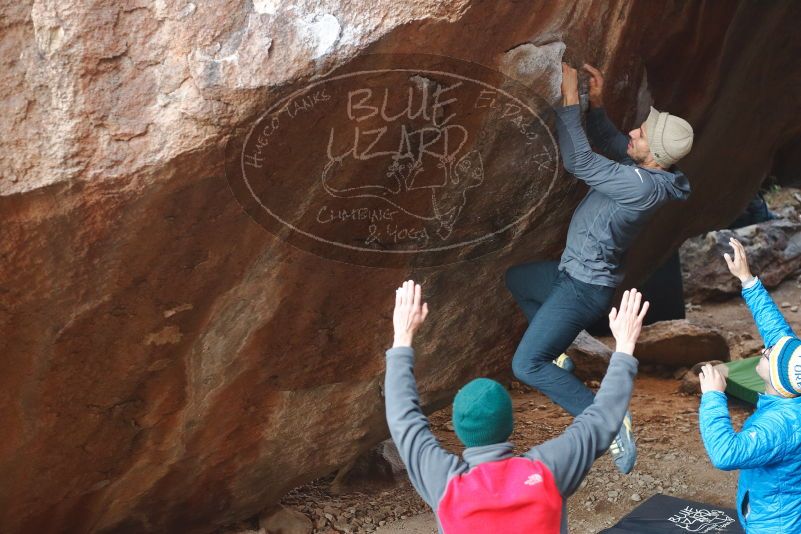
column 623, row 449
column 565, row 363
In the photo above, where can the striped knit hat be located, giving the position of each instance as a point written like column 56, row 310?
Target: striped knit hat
column 785, row 366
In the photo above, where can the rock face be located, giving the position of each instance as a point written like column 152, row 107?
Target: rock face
column 169, row 365
column 372, row 472
column 773, row 249
column 285, row 521
column 590, row 356
column 680, row 344
column 690, row 383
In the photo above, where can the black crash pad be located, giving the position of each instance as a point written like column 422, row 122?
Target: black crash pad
column 662, row 514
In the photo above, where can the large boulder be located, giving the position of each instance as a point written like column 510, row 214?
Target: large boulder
column 773, row 249
column 590, row 356
column 170, row 365
column 680, row 343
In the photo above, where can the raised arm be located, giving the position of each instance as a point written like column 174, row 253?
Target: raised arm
column 570, row 456
column 728, row 450
column 605, row 136
column 769, row 320
column 626, row 184
column 427, row 463
column 602, row 133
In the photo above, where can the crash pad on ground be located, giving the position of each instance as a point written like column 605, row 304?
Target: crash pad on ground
column 663, row 514
column 743, row 381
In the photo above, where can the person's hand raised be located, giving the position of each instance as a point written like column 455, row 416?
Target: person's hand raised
column 626, row 323
column 711, row 379
column 410, row 312
column 738, row 266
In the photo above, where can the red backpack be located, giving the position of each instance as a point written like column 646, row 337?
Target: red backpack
column 516, row 495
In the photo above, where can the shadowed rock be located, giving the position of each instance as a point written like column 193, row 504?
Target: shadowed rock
column 773, row 249
column 690, row 383
column 590, row 356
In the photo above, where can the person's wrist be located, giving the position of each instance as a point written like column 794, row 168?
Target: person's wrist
column 570, row 100
column 746, row 278
column 402, row 340
column 625, row 348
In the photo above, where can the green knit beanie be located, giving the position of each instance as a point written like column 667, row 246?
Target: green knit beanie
column 482, row 413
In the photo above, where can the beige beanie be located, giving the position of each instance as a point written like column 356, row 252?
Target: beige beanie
column 669, row 137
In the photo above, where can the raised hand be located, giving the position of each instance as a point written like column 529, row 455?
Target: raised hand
column 739, row 265
column 711, row 379
column 626, row 323
column 570, row 94
column 410, row 312
column 596, row 89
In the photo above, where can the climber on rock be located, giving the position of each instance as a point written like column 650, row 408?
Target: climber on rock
column 488, row 488
column 635, row 177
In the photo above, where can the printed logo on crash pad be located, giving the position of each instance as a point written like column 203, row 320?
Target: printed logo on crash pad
column 701, row 520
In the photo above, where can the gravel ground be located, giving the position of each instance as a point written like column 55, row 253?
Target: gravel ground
column 671, row 460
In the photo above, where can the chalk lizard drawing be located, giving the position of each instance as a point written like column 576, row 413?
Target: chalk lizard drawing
column 448, row 195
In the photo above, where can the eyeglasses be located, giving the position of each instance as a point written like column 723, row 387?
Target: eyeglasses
column 766, row 352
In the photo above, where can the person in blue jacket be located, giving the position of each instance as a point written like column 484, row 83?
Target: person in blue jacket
column 767, row 450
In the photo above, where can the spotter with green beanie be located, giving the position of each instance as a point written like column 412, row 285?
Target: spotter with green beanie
column 767, row 450
column 482, row 413
column 488, row 488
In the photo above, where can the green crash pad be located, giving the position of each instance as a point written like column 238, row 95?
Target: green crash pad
column 743, row 381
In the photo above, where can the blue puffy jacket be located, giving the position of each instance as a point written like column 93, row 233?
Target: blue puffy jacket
column 768, row 448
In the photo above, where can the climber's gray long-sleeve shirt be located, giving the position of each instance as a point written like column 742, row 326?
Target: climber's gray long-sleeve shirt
column 622, row 196
column 568, row 456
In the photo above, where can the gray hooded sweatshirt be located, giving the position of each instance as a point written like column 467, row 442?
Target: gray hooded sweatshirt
column 568, row 456
column 622, row 196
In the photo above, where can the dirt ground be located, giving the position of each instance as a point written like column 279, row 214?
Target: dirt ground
column 671, row 460
column 671, row 457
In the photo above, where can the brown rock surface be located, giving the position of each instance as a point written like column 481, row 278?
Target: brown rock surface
column 373, row 471
column 590, row 356
column 282, row 520
column 680, row 343
column 690, row 382
column 168, row 365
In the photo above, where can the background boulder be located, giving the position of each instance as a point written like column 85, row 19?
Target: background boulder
column 680, row 343
column 773, row 249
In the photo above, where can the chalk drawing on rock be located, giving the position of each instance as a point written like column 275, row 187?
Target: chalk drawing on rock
column 398, row 157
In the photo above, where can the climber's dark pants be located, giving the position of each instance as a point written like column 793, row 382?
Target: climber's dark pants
column 557, row 307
